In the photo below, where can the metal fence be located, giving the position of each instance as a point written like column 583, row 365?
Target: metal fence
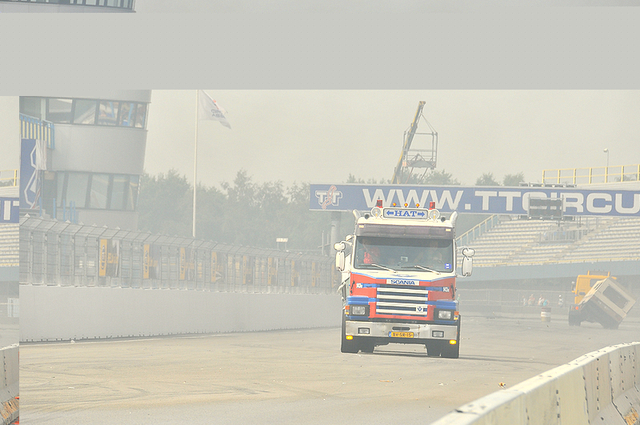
column 9, row 178
column 478, row 230
column 592, row 175
column 60, row 253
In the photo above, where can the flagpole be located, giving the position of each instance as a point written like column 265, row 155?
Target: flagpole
column 195, row 167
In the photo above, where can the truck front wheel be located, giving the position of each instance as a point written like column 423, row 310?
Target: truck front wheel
column 434, row 348
column 574, row 318
column 347, row 346
column 451, row 351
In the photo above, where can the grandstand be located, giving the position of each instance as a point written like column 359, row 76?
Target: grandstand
column 511, row 241
column 519, row 241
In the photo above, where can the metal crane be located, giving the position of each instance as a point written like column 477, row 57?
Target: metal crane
column 417, row 157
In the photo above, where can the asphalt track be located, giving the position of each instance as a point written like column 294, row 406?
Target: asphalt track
column 290, row 377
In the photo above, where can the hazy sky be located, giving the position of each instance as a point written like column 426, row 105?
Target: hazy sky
column 323, row 136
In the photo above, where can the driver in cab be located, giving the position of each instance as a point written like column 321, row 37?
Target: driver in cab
column 371, row 254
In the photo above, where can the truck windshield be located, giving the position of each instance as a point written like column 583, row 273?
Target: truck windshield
column 404, row 253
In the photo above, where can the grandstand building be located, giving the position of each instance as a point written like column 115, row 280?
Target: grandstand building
column 82, row 157
column 517, row 249
column 68, row 6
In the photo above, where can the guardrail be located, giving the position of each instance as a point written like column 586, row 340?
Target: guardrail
column 57, row 253
column 9, row 178
column 476, row 231
column 9, row 384
column 592, row 175
column 599, row 387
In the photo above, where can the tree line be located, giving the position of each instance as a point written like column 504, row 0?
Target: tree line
column 255, row 214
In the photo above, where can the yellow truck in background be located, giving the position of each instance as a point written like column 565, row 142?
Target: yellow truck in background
column 600, row 298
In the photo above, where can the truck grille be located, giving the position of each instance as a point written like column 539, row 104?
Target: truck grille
column 402, row 300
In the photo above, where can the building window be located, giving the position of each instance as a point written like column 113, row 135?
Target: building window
column 108, row 113
column 118, row 192
column 141, row 115
column 59, row 110
column 132, row 194
column 94, row 190
column 127, row 114
column 59, row 179
column 31, row 106
column 84, row 112
column 99, row 192
column 76, row 190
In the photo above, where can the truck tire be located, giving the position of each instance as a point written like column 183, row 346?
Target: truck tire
column 574, row 318
column 347, row 346
column 610, row 324
column 451, row 351
column 366, row 346
column 434, row 348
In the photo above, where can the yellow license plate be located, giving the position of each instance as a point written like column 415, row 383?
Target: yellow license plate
column 401, row 334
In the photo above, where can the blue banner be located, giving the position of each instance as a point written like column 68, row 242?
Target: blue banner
column 474, row 199
column 9, row 210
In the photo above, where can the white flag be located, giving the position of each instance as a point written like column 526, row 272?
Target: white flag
column 208, row 109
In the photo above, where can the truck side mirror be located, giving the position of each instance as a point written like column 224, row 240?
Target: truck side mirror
column 340, row 260
column 467, row 266
column 468, row 252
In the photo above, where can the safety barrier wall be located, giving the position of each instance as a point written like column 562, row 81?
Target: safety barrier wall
column 57, row 253
column 73, row 313
column 79, row 281
column 599, row 387
column 9, row 384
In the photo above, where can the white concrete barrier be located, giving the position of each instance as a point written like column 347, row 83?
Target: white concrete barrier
column 9, row 371
column 599, row 387
column 49, row 313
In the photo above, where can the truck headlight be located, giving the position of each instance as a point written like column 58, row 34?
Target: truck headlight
column 358, row 310
column 445, row 314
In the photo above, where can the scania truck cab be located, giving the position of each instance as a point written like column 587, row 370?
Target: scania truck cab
column 399, row 281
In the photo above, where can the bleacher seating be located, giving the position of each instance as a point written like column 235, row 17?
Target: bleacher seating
column 619, row 240
column 514, row 241
column 9, row 236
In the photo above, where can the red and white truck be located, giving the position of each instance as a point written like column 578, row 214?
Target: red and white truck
column 399, row 271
